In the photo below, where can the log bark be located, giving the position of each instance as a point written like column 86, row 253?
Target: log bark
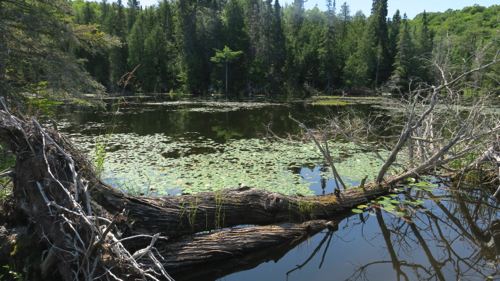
column 96, row 231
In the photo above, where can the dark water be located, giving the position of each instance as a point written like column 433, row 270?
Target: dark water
column 212, row 122
column 450, row 237
column 454, row 235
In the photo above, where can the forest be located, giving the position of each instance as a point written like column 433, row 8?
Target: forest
column 262, row 47
column 208, row 195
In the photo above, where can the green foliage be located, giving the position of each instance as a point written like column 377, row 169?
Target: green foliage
column 38, row 50
column 279, row 49
column 220, row 211
column 395, row 205
column 305, row 209
column 44, row 106
column 224, row 57
column 16, row 275
column 100, row 153
column 190, row 212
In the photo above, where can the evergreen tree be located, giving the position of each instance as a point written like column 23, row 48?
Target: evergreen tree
column 237, row 38
column 378, row 33
column 136, row 53
column 189, row 57
column 118, row 55
column 344, row 19
column 328, row 52
column 358, row 65
column 423, row 48
column 132, row 11
column 394, row 27
column 281, row 48
column 225, row 57
column 403, row 67
column 297, row 15
column 104, row 8
column 37, row 45
column 278, row 42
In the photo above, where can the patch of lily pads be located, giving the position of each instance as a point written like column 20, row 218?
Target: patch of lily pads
column 190, row 163
column 211, row 106
column 330, row 102
column 396, row 204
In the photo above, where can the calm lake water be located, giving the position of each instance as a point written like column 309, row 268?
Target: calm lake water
column 451, row 234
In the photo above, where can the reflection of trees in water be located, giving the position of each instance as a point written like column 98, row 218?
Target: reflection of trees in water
column 328, row 236
column 323, row 169
column 456, row 236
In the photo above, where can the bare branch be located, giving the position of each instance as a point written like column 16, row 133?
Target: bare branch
column 325, row 152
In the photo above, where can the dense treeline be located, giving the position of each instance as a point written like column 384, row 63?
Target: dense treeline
column 262, row 47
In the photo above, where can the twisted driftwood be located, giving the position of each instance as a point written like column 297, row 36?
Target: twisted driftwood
column 94, row 231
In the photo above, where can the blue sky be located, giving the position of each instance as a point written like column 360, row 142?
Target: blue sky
column 410, row 7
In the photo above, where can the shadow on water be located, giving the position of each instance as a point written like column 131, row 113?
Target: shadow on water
column 452, row 236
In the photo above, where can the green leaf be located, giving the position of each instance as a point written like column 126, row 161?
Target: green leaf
column 390, row 208
column 358, row 211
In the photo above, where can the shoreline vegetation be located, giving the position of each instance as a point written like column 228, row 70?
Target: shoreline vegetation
column 284, row 49
column 55, row 183
column 436, row 75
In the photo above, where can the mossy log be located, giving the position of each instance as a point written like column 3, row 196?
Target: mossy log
column 82, row 220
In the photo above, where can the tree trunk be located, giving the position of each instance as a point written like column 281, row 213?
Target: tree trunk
column 82, row 220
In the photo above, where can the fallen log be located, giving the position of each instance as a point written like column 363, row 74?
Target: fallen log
column 94, row 231
column 190, row 252
column 180, row 215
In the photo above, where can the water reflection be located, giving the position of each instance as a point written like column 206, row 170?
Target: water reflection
column 452, row 236
column 211, row 122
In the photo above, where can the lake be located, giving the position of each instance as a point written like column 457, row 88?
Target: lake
column 166, row 148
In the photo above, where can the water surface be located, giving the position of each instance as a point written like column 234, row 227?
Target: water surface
column 447, row 235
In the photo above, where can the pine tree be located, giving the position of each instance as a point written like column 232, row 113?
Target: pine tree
column 225, row 56
column 328, row 52
column 403, row 68
column 423, row 48
column 236, row 38
column 278, row 41
column 136, row 52
column 394, row 28
column 359, row 63
column 132, row 11
column 37, row 45
column 378, row 32
column 186, row 40
column 344, row 18
column 118, row 55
